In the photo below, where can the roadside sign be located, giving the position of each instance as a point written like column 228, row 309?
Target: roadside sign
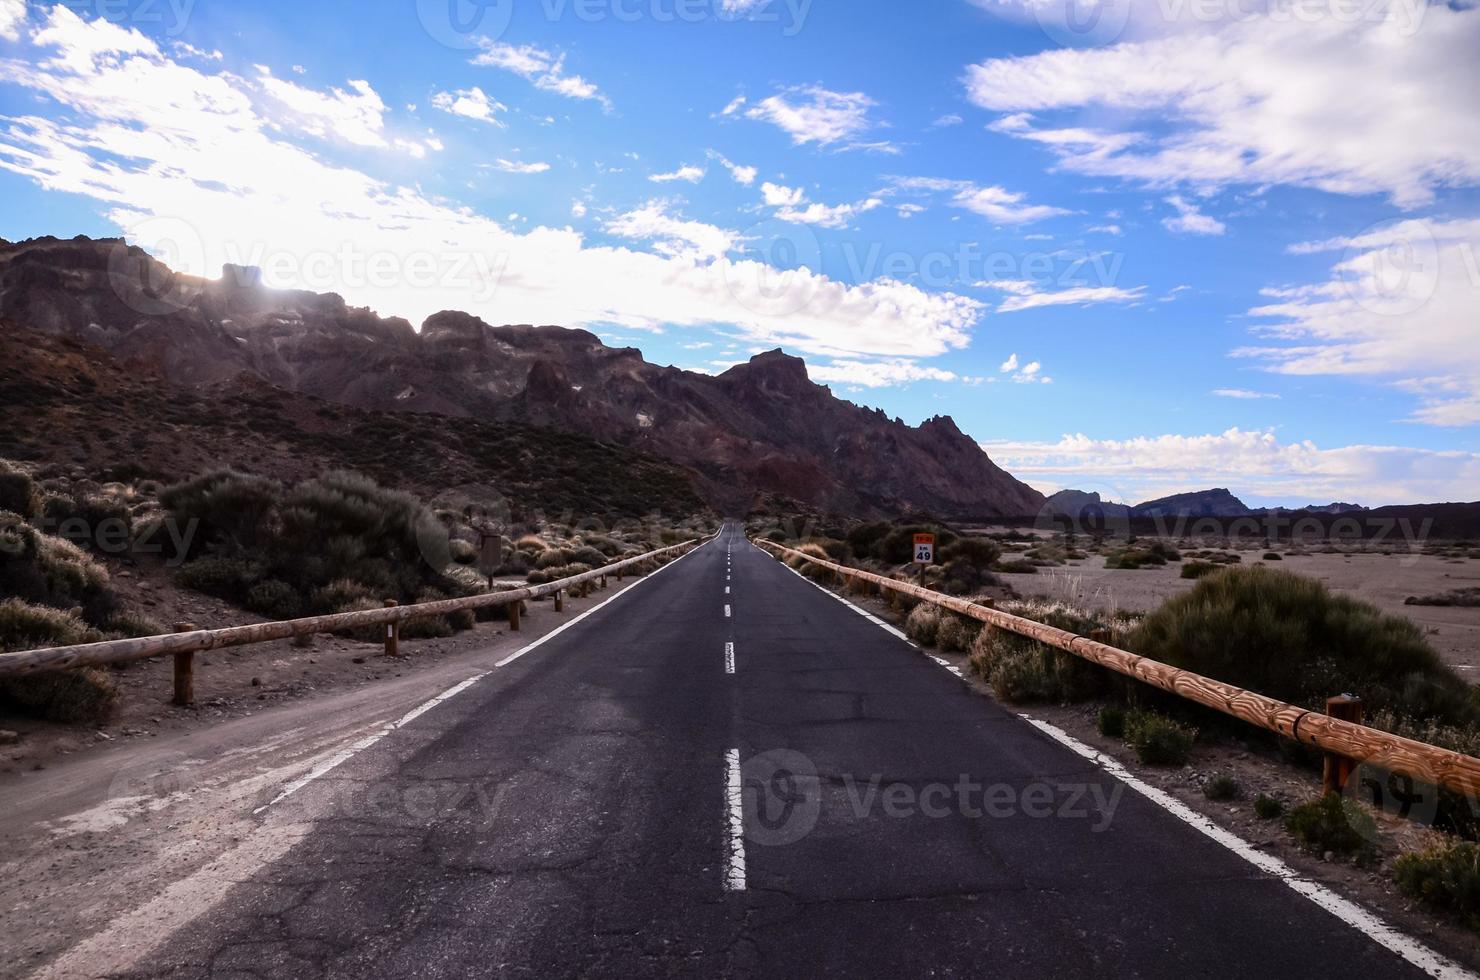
column 925, row 549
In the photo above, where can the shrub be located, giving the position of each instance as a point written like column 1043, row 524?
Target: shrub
column 18, row 493
column 1222, row 789
column 537, row 577
column 1267, row 807
column 586, row 555
column 1273, row 556
column 1157, row 739
column 923, row 624
column 48, row 571
column 863, row 537
column 274, row 599
column 956, row 634
column 129, row 625
column 551, row 557
column 225, row 578
column 1016, row 566
column 1111, row 722
column 1199, row 569
column 1455, row 597
column 1290, row 638
column 463, row 552
column 1333, row 823
column 1446, row 877
column 608, row 546
column 27, row 627
column 898, row 546
column 981, row 552
column 232, row 508
column 86, row 695
column 340, row 594
column 1020, row 669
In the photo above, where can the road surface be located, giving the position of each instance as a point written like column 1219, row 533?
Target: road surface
column 726, row 771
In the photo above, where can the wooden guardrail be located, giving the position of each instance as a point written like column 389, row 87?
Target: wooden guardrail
column 185, row 643
column 1336, row 736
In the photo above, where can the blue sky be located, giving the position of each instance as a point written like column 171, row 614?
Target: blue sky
column 1212, row 243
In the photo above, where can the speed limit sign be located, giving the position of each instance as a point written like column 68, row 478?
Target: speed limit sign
column 925, row 549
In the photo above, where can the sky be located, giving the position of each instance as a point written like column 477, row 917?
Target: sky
column 1134, row 247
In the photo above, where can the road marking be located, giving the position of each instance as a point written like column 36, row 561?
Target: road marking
column 727, row 590
column 735, row 801
column 355, row 748
column 1359, row 918
column 344, row 755
column 1430, row 962
column 727, row 610
column 729, row 658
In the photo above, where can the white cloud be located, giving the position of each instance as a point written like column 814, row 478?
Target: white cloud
column 185, row 163
column 1399, row 305
column 828, row 216
column 1030, row 373
column 944, row 122
column 12, row 17
column 881, row 374
column 672, row 236
column 1351, row 105
column 1253, row 464
column 519, row 167
column 1024, row 295
column 1243, row 394
column 995, row 203
column 742, row 175
column 543, row 69
column 685, row 173
column 577, row 209
column 1191, row 221
column 777, row 196
column 356, row 117
column 1104, row 230
column 471, row 103
column 813, row 114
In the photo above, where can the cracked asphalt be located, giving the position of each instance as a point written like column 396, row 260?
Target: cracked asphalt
column 568, row 816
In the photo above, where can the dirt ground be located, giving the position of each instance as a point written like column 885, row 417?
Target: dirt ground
column 1384, row 580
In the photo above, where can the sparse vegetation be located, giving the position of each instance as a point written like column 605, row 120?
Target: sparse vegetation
column 1111, row 722
column 923, row 624
column 1446, row 878
column 1333, row 824
column 1267, row 807
column 1199, row 569
column 1023, row 670
column 1157, row 739
column 1456, row 597
column 1222, row 789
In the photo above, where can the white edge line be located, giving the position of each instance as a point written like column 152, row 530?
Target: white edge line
column 1363, row 920
column 735, row 805
column 344, row 755
column 1359, row 918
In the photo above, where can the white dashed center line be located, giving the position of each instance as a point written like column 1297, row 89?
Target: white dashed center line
column 729, row 658
column 735, row 800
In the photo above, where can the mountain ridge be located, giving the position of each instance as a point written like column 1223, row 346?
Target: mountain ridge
column 760, row 428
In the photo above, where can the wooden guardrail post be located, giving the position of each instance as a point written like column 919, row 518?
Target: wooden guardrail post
column 514, row 608
column 1338, row 769
column 560, row 601
column 603, row 581
column 184, row 671
column 392, row 633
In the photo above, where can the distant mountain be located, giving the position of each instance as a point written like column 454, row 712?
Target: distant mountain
column 1199, row 503
column 759, row 429
column 1084, row 506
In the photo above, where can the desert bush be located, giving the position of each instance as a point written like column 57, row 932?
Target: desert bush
column 923, row 624
column 18, row 492
column 1273, row 556
column 862, row 537
column 1111, row 722
column 537, row 577
column 24, row 626
column 1016, row 566
column 1199, row 569
column 1290, row 638
column 1267, row 807
column 1020, row 669
column 126, row 624
column 956, row 634
column 339, row 594
column 553, row 557
column 463, row 552
column 225, row 578
column 1333, row 823
column 274, row 599
column 48, row 571
column 532, row 543
column 1222, row 789
column 1445, row 877
column 608, row 546
column 232, row 508
column 1455, row 597
column 86, row 695
column 1157, row 739
column 587, row 555
column 981, row 552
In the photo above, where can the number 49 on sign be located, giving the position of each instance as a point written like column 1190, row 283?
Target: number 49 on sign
column 925, row 549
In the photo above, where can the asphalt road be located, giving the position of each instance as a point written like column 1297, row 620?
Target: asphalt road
column 617, row 802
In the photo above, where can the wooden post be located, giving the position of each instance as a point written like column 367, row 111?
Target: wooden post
column 619, row 574
column 922, row 575
column 603, row 581
column 514, row 616
column 560, row 601
column 1338, row 769
column 392, row 632
column 184, row 671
